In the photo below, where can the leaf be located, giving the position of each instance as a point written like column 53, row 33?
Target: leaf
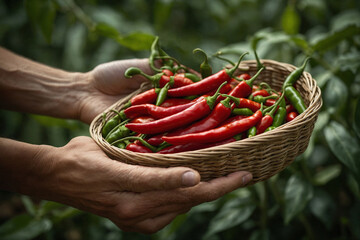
column 335, row 95
column 327, row 174
column 297, row 195
column 356, row 124
column 323, row 207
column 137, row 41
column 42, row 14
column 290, row 20
column 107, row 30
column 29, row 205
column 344, row 146
column 233, row 213
column 24, row 227
column 162, row 11
column 331, row 40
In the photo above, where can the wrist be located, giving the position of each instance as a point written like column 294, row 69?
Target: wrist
column 24, row 167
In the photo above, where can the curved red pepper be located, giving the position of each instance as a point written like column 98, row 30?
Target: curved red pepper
column 155, row 111
column 265, row 122
column 217, row 134
column 261, row 92
column 148, row 96
column 175, row 81
column 142, row 119
column 170, row 102
column 137, row 148
column 244, row 88
column 200, row 109
column 193, row 146
column 207, row 84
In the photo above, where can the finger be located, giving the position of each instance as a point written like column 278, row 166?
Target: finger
column 203, row 192
column 141, row 179
column 133, row 207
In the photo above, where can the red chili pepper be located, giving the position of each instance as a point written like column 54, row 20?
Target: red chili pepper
column 168, row 72
column 155, row 111
column 170, row 102
column 290, row 116
column 217, row 134
column 219, row 114
column 138, row 148
column 142, row 119
column 290, row 108
column 195, row 112
column 233, row 119
column 265, row 122
column 244, row 88
column 148, row 96
column 261, row 92
column 269, row 102
column 244, row 76
column 193, row 146
column 175, row 81
column 205, row 85
column 244, row 103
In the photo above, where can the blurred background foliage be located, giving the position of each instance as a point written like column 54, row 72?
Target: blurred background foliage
column 317, row 197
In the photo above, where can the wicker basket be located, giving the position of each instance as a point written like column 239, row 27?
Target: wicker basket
column 263, row 155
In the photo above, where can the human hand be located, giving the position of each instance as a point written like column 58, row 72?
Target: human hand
column 106, row 84
column 135, row 198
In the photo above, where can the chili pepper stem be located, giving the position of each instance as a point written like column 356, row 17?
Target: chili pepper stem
column 231, row 71
column 212, row 99
column 146, row 144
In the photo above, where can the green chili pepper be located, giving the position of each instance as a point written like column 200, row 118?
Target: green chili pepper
column 154, row 52
column 242, row 111
column 262, row 99
column 120, row 132
column 279, row 117
column 143, row 142
column 162, row 94
column 270, row 128
column 295, row 99
column 295, row 75
column 252, row 131
column 121, row 145
column 205, row 68
column 109, row 125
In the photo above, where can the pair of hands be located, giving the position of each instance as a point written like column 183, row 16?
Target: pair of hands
column 135, row 198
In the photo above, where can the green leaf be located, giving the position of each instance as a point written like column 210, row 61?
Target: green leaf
column 356, row 124
column 335, row 95
column 42, row 14
column 29, row 205
column 323, row 207
column 107, row 30
column 331, row 40
column 327, row 174
column 290, row 20
column 137, row 41
column 24, row 227
column 344, row 146
column 233, row 213
column 297, row 194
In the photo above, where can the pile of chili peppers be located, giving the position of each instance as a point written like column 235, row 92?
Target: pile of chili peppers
column 184, row 111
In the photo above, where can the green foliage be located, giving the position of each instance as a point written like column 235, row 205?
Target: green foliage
column 317, row 197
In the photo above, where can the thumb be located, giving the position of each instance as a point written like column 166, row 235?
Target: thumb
column 142, row 179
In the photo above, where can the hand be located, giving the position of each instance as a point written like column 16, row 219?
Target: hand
column 135, row 198
column 106, row 84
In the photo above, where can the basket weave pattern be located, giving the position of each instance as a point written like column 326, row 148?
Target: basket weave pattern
column 263, row 155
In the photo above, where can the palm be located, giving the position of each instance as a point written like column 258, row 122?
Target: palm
column 108, row 84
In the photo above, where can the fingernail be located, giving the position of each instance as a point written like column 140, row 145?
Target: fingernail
column 247, row 178
column 189, row 179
